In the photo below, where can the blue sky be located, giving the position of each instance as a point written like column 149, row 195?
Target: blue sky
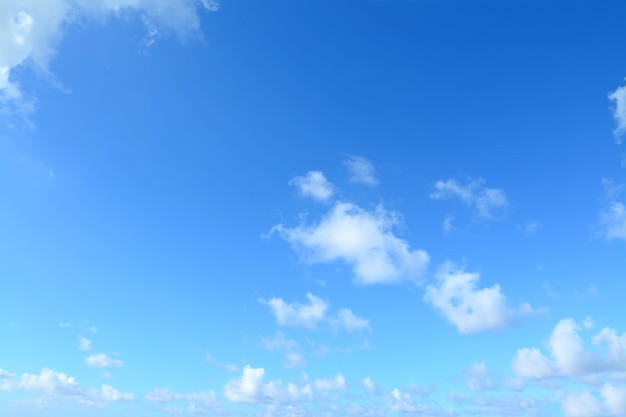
column 312, row 208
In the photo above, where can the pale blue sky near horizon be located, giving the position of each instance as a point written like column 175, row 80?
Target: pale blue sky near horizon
column 312, row 208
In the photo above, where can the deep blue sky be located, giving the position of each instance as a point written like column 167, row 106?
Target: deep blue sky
column 199, row 202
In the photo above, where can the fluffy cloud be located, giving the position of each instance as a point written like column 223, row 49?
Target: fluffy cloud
column 31, row 30
column 112, row 395
column 618, row 97
column 101, row 360
column 314, row 184
column 361, row 238
column 48, row 381
column 569, row 355
column 163, row 395
column 468, row 308
column 486, row 201
column 311, row 314
column 369, row 384
column 250, row 388
column 585, row 404
column 361, row 170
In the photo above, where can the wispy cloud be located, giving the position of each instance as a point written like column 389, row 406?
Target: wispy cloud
column 314, row 312
column 102, row 360
column 612, row 223
column 618, row 97
column 363, row 239
column 361, row 170
column 32, row 30
column 486, row 201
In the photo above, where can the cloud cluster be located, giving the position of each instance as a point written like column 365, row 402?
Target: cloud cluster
column 470, row 309
column 57, row 385
column 361, row 238
column 309, row 315
column 486, row 201
column 101, row 360
column 31, row 31
column 250, row 388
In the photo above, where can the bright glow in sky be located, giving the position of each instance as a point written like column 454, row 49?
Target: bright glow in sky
column 312, row 208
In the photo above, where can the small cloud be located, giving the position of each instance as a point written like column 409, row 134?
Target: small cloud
column 447, row 225
column 529, row 226
column 110, row 394
column 468, row 308
column 486, row 201
column 101, row 360
column 612, row 223
column 208, row 357
column 618, row 97
column 311, row 314
column 335, row 384
column 84, row 343
column 65, row 324
column 361, row 238
column 361, row 170
column 369, row 384
column 315, row 185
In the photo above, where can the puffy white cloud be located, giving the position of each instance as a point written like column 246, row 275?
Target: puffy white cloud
column 335, row 384
column 296, row 314
column 48, row 381
column 569, row 355
column 468, row 308
column 163, row 395
column 361, row 170
column 102, row 360
column 251, row 389
column 315, row 185
column 485, row 200
column 311, row 314
column 530, row 363
column 84, row 343
column 248, row 388
column 31, row 30
column 615, row 399
column 112, row 395
column 361, row 238
column 402, row 402
column 618, row 97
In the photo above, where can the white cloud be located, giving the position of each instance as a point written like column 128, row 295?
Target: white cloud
column 529, row 226
column 315, row 185
column 48, row 381
column 369, row 384
column 402, row 402
column 31, row 31
column 361, row 170
column 335, row 384
column 569, row 355
column 448, row 224
column 613, row 221
column 251, row 389
column 296, row 314
column 470, row 309
column 618, row 97
column 486, row 201
column 363, row 239
column 163, row 395
column 346, row 319
column 112, row 395
column 311, row 314
column 84, row 343
column 530, row 363
column 101, row 360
